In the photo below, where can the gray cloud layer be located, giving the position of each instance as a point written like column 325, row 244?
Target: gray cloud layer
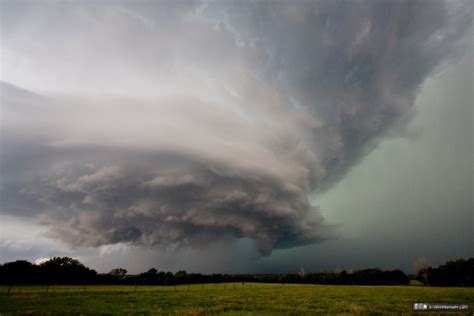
column 182, row 124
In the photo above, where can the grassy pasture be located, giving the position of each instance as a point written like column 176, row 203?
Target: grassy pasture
column 230, row 298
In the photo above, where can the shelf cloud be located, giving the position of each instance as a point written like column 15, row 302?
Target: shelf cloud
column 178, row 124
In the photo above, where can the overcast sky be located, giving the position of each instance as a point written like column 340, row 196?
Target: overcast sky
column 237, row 136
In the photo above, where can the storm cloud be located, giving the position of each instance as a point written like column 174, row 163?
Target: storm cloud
column 180, row 124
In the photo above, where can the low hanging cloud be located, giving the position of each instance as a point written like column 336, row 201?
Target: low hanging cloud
column 164, row 124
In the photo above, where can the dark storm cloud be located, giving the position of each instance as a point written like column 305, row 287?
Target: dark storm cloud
column 215, row 120
column 357, row 65
column 148, row 189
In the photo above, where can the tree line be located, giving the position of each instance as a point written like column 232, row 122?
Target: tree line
column 65, row 270
column 458, row 272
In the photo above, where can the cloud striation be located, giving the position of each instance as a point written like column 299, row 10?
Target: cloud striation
column 178, row 124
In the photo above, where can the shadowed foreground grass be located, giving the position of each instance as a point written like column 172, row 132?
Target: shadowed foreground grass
column 232, row 298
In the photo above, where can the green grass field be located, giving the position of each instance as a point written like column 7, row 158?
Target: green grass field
column 230, row 298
